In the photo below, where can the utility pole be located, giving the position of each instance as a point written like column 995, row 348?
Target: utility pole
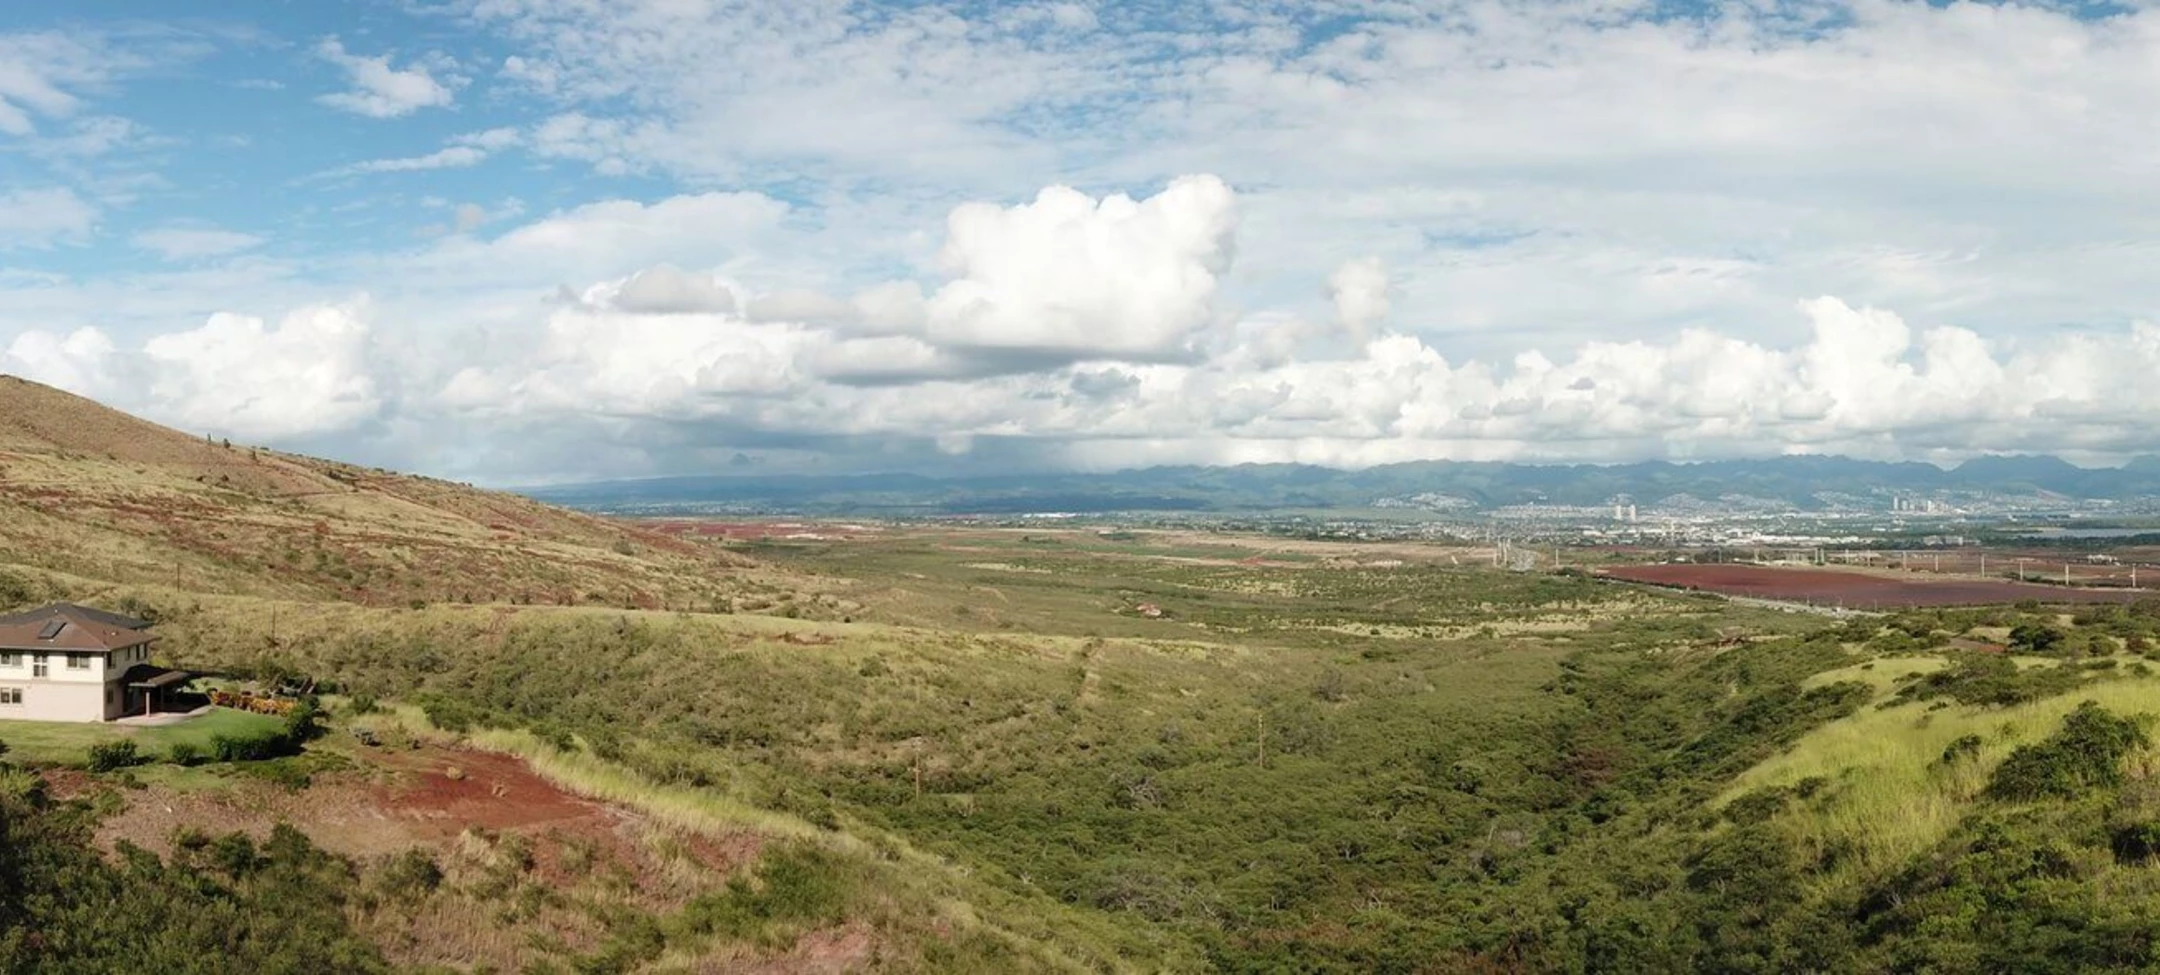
column 1983, row 565
column 2021, row 570
column 2066, row 573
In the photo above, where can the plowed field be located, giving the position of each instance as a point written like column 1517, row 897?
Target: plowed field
column 1858, row 590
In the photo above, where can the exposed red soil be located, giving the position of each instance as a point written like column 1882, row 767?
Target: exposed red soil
column 419, row 802
column 1856, row 590
column 486, row 790
column 401, row 800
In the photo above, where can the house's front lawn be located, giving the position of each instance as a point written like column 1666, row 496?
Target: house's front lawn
column 68, row 743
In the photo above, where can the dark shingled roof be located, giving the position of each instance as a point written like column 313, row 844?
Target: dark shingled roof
column 66, row 626
column 154, row 677
column 83, row 614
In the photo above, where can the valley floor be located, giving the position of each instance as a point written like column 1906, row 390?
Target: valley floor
column 1084, row 750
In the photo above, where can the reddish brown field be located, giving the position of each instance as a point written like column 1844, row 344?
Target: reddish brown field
column 1856, row 590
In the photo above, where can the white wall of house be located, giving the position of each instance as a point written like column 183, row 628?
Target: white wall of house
column 76, row 668
column 65, row 693
column 58, row 701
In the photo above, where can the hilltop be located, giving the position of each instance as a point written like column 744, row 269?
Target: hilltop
column 95, row 493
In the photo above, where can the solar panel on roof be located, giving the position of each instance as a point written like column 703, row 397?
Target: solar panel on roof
column 52, row 629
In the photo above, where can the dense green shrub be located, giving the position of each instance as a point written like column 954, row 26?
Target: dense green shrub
column 410, row 875
column 303, row 724
column 2035, row 637
column 1964, row 748
column 2137, row 843
column 108, row 756
column 798, row 885
column 1990, row 679
column 255, row 747
column 453, row 714
column 217, row 904
column 2086, row 754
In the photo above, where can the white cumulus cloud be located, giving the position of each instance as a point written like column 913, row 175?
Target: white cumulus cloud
column 1360, row 291
column 667, row 290
column 237, row 375
column 80, row 362
column 1071, row 275
column 379, row 90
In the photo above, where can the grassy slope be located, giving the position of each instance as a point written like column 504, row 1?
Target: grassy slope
column 89, row 492
column 1892, row 799
column 1319, row 758
column 1106, row 794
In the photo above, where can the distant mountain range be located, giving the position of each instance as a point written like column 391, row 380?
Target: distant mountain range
column 1803, row 483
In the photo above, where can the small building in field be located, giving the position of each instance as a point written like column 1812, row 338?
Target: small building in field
column 72, row 663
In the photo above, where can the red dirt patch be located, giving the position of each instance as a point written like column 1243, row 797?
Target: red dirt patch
column 1854, row 590
column 486, row 790
column 402, row 800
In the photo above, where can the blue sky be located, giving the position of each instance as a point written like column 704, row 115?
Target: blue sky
column 524, row 240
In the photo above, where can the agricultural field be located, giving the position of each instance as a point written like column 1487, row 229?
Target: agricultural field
column 1859, row 590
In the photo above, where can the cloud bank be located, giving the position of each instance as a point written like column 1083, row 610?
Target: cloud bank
column 1089, row 332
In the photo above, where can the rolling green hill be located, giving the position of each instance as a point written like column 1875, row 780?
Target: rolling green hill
column 954, row 749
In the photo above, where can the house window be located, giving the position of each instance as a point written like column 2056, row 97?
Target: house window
column 10, row 660
column 78, row 661
column 10, row 695
column 38, row 667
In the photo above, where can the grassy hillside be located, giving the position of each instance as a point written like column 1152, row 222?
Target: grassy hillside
column 585, row 748
column 97, row 494
column 1284, row 770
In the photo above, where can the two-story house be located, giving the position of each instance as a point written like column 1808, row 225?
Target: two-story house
column 72, row 663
